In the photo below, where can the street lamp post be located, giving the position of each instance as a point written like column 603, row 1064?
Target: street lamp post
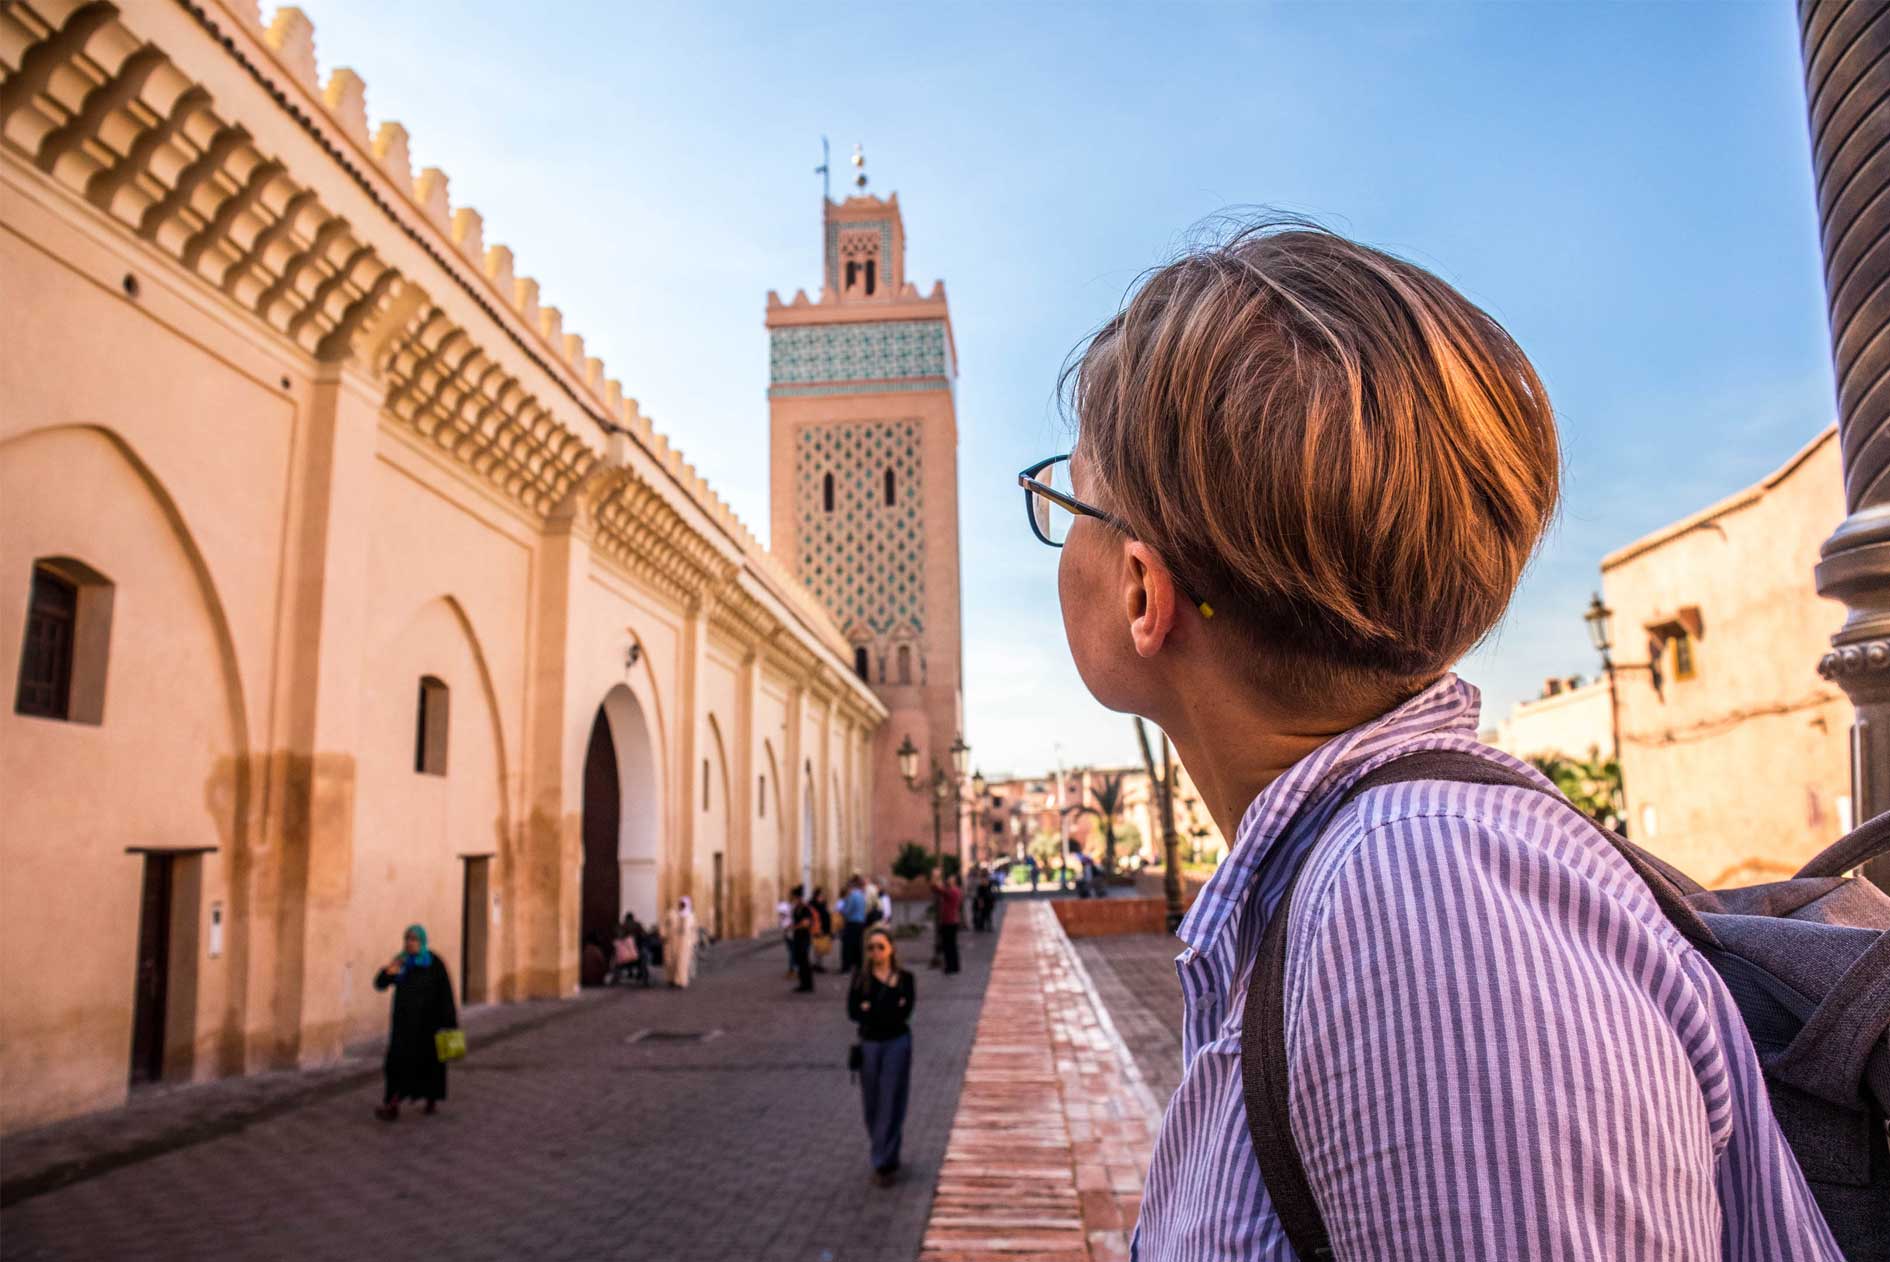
column 1600, row 620
column 1847, row 70
column 941, row 787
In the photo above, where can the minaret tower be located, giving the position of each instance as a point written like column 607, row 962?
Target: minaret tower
column 863, row 447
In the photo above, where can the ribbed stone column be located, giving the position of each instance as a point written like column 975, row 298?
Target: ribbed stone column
column 1847, row 82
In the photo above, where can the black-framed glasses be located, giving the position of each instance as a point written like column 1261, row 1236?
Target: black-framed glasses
column 1051, row 505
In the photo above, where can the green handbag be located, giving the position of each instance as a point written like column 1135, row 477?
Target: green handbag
column 449, row 1045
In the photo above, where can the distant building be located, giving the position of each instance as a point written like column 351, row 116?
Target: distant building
column 1018, row 810
column 1734, row 752
column 1569, row 720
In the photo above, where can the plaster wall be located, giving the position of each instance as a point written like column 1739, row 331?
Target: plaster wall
column 70, row 901
column 1740, row 773
column 104, row 457
column 1571, row 724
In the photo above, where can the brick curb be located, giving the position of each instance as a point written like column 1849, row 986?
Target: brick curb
column 1055, row 1121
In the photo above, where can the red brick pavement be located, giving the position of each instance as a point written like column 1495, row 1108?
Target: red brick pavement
column 1052, row 1135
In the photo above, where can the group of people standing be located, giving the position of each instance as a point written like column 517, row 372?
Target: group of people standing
column 630, row 949
column 808, row 927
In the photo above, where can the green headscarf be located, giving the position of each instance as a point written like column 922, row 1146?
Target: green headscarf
column 422, row 958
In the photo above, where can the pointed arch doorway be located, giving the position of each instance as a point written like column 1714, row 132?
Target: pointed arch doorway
column 620, row 818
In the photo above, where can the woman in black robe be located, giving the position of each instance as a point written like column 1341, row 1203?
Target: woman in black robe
column 423, row 1005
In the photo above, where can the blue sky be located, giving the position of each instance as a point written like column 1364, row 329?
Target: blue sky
column 1626, row 186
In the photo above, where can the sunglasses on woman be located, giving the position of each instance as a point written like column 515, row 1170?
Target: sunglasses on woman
column 1052, row 507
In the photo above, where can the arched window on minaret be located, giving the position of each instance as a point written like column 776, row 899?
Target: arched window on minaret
column 905, row 664
column 890, row 496
column 826, row 493
column 860, row 667
column 859, row 262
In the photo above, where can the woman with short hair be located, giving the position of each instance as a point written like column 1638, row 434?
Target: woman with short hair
column 1306, row 480
column 880, row 1002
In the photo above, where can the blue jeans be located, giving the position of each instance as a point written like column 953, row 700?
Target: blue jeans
column 885, row 1081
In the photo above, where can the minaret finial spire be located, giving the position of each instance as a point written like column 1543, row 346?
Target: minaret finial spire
column 859, row 167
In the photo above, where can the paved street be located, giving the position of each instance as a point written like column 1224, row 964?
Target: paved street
column 1134, row 976
column 714, row 1124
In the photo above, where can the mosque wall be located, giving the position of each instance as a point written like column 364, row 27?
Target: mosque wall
column 327, row 556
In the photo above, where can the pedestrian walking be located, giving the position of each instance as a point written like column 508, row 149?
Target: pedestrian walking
column 984, row 901
column 885, row 905
column 951, row 899
column 801, row 921
column 853, row 924
column 423, row 1006
column 679, row 942
column 879, row 1002
column 1306, row 480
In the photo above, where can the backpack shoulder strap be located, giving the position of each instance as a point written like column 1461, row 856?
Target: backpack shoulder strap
column 1263, row 1059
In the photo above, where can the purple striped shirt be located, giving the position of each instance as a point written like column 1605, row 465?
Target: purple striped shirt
column 1498, row 1046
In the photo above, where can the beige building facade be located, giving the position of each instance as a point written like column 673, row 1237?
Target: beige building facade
column 341, row 587
column 1734, row 753
column 1570, row 719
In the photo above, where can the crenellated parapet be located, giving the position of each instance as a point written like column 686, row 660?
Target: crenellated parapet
column 115, row 104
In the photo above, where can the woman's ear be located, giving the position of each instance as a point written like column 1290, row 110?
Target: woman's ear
column 1149, row 598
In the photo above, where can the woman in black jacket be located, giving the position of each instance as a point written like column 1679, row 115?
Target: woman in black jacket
column 423, row 1006
column 880, row 1002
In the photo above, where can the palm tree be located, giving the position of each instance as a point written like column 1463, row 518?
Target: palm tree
column 1165, row 806
column 1592, row 784
column 1108, row 797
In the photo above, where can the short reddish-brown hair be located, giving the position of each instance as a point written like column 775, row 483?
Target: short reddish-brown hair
column 1344, row 457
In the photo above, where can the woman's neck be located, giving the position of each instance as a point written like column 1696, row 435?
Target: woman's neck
column 1234, row 747
column 884, row 972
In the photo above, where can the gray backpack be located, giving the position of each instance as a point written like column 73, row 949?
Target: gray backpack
column 1807, row 960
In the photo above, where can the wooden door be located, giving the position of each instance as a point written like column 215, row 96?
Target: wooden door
column 602, row 900
column 475, row 916
column 154, row 971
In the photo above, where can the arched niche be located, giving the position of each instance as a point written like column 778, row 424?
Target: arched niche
column 160, row 774
column 639, row 803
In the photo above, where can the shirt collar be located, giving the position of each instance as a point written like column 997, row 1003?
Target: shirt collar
column 1448, row 706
